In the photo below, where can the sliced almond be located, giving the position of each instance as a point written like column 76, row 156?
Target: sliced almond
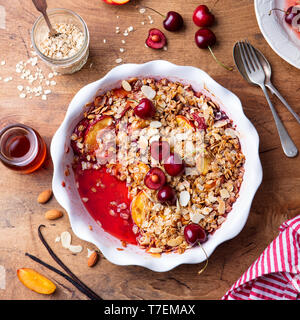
column 93, row 258
column 53, row 214
column 184, row 198
column 220, row 123
column 126, row 85
column 65, row 238
column 75, row 249
column 44, row 196
column 148, row 92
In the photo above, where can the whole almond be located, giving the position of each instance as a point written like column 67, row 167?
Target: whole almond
column 93, row 258
column 44, row 196
column 53, row 214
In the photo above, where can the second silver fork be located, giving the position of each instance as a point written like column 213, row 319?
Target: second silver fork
column 257, row 76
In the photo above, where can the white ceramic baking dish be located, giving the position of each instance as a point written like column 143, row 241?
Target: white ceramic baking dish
column 69, row 198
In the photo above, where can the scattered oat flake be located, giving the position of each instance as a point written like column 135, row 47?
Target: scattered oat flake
column 23, row 95
column 142, row 10
column 20, row 88
column 119, row 60
column 7, row 79
column 57, row 239
column 89, row 252
column 122, row 50
column 3, row 63
column 44, row 97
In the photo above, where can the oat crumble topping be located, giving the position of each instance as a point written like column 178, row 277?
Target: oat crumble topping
column 196, row 129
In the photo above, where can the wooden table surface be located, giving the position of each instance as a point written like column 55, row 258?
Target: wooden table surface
column 276, row 200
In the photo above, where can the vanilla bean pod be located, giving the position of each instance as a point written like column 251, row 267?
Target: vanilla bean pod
column 68, row 271
column 74, row 283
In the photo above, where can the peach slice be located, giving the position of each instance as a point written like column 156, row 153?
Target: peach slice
column 138, row 208
column 183, row 122
column 143, row 168
column 35, row 281
column 120, row 93
column 138, row 124
column 202, row 163
column 93, row 130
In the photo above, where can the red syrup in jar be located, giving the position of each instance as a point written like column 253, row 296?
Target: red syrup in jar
column 108, row 202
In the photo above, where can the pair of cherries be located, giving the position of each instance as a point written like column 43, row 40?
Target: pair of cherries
column 173, row 21
column 204, row 37
column 155, row 178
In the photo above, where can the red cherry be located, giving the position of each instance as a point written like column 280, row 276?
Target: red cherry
column 145, row 109
column 290, row 15
column 167, row 194
column 205, row 38
column 155, row 178
column 174, row 165
column 160, row 150
column 156, row 39
column 202, row 17
column 173, row 21
column 193, row 233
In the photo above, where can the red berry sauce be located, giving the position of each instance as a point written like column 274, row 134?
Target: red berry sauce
column 108, row 202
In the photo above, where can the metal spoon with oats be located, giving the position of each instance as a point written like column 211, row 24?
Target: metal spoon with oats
column 41, row 6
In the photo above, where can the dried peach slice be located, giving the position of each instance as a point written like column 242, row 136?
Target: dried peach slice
column 143, row 168
column 120, row 93
column 116, row 2
column 182, row 121
column 138, row 205
column 93, row 130
column 139, row 124
column 35, row 281
column 203, row 163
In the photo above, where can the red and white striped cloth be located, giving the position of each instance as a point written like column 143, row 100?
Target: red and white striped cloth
column 275, row 275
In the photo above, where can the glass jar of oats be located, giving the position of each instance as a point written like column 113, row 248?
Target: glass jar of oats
column 68, row 51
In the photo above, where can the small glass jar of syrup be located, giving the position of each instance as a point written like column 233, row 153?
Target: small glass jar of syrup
column 21, row 148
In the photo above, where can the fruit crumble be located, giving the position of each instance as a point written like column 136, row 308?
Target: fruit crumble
column 156, row 162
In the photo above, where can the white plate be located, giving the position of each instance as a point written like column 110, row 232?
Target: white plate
column 69, row 198
column 282, row 39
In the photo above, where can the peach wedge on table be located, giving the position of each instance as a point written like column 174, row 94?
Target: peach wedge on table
column 183, row 122
column 116, row 2
column 93, row 130
column 35, row 281
column 138, row 205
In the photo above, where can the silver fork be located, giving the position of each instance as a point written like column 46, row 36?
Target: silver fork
column 257, row 75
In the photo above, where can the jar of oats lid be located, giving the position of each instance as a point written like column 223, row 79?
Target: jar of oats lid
column 68, row 51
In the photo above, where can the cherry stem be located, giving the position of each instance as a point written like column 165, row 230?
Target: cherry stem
column 206, row 261
column 270, row 12
column 155, row 11
column 218, row 61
